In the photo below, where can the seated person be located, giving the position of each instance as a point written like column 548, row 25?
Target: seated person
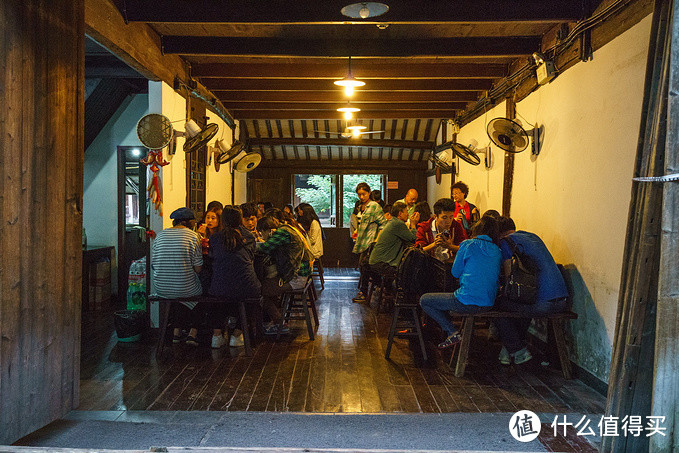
column 176, row 260
column 441, row 236
column 307, row 218
column 250, row 218
column 233, row 278
column 388, row 250
column 477, row 266
column 387, row 212
column 552, row 293
column 290, row 266
column 424, row 210
column 465, row 213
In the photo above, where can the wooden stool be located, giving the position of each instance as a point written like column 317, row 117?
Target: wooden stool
column 164, row 308
column 318, row 271
column 410, row 326
column 296, row 304
column 383, row 280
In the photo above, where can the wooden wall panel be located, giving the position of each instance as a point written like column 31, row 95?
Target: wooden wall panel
column 41, row 184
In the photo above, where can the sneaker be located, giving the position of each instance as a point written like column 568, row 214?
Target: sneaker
column 452, row 340
column 218, row 341
column 236, row 341
column 191, row 340
column 504, row 356
column 359, row 299
column 274, row 329
column 522, row 356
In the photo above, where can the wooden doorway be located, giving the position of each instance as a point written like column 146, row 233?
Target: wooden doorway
column 133, row 219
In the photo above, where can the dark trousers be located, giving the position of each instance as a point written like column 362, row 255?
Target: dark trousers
column 513, row 331
column 271, row 293
column 212, row 314
column 438, row 306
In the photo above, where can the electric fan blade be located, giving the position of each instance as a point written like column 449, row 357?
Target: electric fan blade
column 466, row 154
column 328, row 132
column 201, row 139
column 248, row 162
column 234, row 151
column 508, row 135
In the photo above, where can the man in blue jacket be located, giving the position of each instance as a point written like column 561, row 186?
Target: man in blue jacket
column 552, row 294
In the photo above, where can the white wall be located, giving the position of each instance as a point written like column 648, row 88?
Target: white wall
column 100, row 183
column 576, row 193
column 163, row 99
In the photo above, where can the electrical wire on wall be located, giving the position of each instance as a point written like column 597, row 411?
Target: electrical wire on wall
column 512, row 81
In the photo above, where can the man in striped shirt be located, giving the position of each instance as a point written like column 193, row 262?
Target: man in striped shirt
column 176, row 260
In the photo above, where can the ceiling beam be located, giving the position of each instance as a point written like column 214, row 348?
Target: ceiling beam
column 332, row 106
column 329, row 115
column 328, row 11
column 359, row 70
column 138, row 46
column 379, row 143
column 338, row 96
column 449, row 47
column 326, row 85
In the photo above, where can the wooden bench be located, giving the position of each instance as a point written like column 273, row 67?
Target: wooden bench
column 164, row 308
column 555, row 320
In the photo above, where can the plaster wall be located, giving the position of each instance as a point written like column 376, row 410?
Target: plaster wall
column 100, row 183
column 575, row 195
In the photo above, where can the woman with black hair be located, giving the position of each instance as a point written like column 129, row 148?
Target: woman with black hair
column 465, row 213
column 307, row 218
column 233, row 278
column 288, row 209
column 477, row 266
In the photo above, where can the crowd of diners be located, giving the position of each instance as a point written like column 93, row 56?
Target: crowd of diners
column 257, row 251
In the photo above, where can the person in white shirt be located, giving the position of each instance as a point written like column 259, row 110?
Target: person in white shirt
column 306, row 216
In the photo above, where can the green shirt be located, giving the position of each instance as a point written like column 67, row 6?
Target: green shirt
column 391, row 243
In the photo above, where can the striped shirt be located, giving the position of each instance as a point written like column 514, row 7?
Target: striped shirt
column 174, row 253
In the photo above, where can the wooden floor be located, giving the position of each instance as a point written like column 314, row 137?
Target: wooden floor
column 343, row 370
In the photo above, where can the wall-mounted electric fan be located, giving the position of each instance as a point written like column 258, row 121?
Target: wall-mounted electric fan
column 509, row 135
column 248, row 162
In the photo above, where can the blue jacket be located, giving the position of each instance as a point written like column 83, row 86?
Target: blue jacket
column 477, row 265
column 550, row 281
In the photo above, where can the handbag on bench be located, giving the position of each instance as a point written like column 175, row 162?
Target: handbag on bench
column 521, row 285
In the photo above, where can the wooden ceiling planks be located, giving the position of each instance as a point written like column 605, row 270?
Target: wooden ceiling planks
column 272, row 64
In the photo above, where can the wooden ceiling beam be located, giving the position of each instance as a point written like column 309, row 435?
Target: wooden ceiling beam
column 333, row 106
column 338, row 96
column 354, row 142
column 330, row 115
column 326, row 85
column 359, row 70
column 328, row 11
column 449, row 47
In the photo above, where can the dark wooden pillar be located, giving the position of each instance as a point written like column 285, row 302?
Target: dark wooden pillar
column 41, row 186
column 666, row 376
column 508, row 181
column 631, row 379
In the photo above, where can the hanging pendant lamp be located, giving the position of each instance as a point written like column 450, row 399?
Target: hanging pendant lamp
column 349, row 83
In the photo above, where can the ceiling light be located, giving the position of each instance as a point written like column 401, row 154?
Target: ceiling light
column 364, row 10
column 348, row 111
column 349, row 83
column 356, row 130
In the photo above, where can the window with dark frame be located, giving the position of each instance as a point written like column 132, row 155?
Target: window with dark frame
column 333, row 196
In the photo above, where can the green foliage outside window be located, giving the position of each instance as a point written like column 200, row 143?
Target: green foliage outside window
column 320, row 193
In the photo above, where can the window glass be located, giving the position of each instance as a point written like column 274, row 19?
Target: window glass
column 349, row 197
column 320, row 192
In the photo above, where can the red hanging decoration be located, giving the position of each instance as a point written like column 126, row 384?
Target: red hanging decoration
column 155, row 160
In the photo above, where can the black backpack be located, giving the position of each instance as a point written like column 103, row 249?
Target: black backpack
column 521, row 285
column 413, row 276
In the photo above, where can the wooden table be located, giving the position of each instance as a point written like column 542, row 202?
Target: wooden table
column 91, row 254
